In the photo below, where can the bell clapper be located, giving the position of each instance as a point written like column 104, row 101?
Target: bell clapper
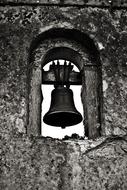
column 63, row 127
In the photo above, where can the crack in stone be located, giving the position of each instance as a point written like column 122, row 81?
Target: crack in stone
column 107, row 141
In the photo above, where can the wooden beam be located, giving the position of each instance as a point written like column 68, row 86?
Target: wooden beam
column 91, row 103
column 48, row 77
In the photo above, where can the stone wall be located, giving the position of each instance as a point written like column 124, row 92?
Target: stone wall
column 44, row 163
column 93, row 3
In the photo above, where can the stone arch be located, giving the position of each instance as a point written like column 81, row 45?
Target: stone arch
column 79, row 49
column 71, row 34
column 64, row 53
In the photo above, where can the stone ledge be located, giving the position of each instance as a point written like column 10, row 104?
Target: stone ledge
column 98, row 3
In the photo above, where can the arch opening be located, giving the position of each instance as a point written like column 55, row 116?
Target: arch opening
column 68, row 34
column 63, row 53
column 58, row 132
column 78, row 48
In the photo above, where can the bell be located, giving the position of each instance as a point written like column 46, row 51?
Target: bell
column 62, row 112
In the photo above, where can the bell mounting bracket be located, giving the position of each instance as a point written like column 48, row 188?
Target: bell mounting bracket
column 61, row 75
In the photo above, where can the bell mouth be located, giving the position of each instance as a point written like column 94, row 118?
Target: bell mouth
column 62, row 119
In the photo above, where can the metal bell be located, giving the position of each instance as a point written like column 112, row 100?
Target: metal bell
column 62, row 112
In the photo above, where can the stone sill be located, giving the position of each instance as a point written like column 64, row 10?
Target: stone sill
column 86, row 146
column 84, row 141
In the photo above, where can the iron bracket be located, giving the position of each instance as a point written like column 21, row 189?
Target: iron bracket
column 61, row 75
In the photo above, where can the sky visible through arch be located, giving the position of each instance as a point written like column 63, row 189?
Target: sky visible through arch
column 58, row 132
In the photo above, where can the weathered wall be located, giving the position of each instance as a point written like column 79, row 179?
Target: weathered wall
column 49, row 164
column 44, row 163
column 94, row 3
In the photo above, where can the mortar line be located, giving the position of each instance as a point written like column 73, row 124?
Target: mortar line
column 62, row 5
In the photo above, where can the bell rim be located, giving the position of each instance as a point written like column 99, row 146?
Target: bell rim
column 46, row 121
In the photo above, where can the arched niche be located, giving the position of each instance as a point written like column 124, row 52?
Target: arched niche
column 78, row 48
column 64, row 53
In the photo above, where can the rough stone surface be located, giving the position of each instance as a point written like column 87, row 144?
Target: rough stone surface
column 102, row 3
column 44, row 163
column 20, row 25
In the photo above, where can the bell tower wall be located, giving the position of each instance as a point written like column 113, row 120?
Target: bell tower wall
column 35, row 162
